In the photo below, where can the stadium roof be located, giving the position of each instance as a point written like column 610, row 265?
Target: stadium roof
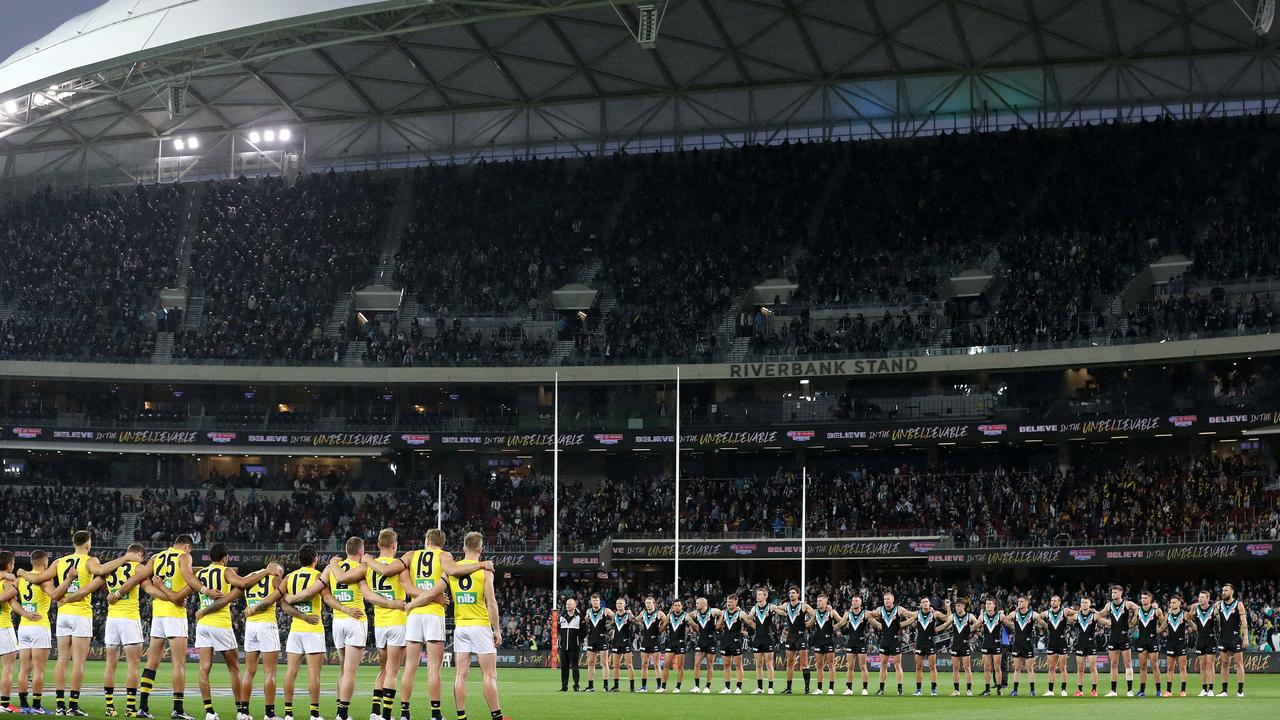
column 399, row 80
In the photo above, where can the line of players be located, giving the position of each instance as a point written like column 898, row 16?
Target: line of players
column 408, row 593
column 1208, row 629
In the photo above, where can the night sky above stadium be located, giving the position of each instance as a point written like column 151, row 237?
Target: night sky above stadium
column 24, row 21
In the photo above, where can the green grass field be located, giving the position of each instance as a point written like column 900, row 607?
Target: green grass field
column 531, row 694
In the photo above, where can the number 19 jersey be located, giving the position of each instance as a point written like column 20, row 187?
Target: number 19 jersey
column 424, row 568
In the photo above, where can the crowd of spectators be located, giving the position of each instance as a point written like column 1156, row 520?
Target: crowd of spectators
column 453, row 345
column 698, row 230
column 51, row 513
column 493, row 238
column 83, row 271
column 299, row 517
column 1142, row 502
column 848, row 335
column 272, row 258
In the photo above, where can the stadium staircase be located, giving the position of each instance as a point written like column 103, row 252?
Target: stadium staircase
column 194, row 318
column 188, row 231
column 162, row 353
column 126, row 526
column 353, row 356
column 396, row 224
column 338, row 316
column 7, row 310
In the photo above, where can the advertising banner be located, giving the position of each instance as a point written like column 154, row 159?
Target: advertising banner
column 1108, row 555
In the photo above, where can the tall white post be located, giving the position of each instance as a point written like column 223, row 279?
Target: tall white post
column 676, row 593
column 440, row 500
column 804, row 533
column 555, row 499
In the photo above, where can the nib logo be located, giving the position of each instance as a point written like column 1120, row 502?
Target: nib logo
column 1183, row 420
column 1083, row 554
column 608, row 438
column 221, row 437
column 28, row 433
column 992, row 430
column 415, row 439
column 743, row 548
column 801, row 435
column 923, row 546
column 1260, row 549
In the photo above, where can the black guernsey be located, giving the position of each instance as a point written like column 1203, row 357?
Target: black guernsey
column 821, row 635
column 731, row 637
column 623, row 632
column 991, row 626
column 797, row 634
column 1118, row 638
column 706, row 631
column 1175, row 638
column 961, row 634
column 597, row 630
column 1147, row 627
column 762, row 637
column 1229, row 639
column 857, row 631
column 676, row 633
column 1055, row 641
column 1086, row 633
column 925, row 632
column 1206, row 622
column 650, row 631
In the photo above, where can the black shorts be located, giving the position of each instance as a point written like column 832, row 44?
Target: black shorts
column 992, row 651
column 650, row 647
column 597, row 646
column 926, row 650
column 960, row 650
column 706, row 649
column 891, row 646
column 619, row 649
column 1175, row 650
column 1085, row 649
column 1022, row 650
column 856, row 649
column 1056, row 648
column 1114, row 645
column 796, row 646
column 1231, row 646
column 765, row 648
column 731, row 650
column 823, row 649
column 1146, row 646
column 1207, row 646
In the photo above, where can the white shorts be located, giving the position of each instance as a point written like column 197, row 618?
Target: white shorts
column 122, row 631
column 220, row 639
column 168, row 627
column 393, row 635
column 473, row 639
column 75, row 626
column 349, row 632
column 33, row 637
column 424, row 628
column 261, row 637
column 8, row 642
column 305, row 643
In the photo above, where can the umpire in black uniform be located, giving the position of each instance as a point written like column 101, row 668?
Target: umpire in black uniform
column 570, row 643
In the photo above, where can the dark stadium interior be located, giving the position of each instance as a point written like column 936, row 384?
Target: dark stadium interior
column 971, row 300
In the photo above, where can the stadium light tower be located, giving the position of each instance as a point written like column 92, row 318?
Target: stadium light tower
column 648, row 20
column 1264, row 13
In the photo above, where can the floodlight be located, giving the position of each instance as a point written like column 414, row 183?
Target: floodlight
column 178, row 144
column 269, row 136
column 193, row 142
column 254, row 137
column 285, row 134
